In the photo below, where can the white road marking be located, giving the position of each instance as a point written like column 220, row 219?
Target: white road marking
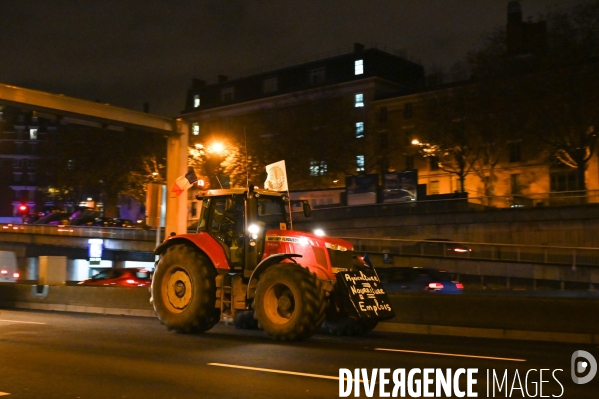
column 326, row 377
column 24, row 322
column 451, row 354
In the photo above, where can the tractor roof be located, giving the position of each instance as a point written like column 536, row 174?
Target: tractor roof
column 235, row 191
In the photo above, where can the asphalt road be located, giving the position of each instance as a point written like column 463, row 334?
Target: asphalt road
column 67, row 355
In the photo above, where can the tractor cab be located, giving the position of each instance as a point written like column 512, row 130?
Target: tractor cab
column 238, row 221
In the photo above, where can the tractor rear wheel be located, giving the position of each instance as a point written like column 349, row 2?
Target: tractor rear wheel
column 289, row 302
column 184, row 290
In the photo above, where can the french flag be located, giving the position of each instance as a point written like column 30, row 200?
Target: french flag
column 184, row 182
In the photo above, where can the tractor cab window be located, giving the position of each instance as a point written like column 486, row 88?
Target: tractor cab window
column 226, row 225
column 271, row 211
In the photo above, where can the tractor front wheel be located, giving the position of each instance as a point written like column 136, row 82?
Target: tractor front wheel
column 289, row 302
column 184, row 290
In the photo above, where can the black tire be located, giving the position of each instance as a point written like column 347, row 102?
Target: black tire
column 184, row 290
column 289, row 302
column 244, row 320
column 339, row 322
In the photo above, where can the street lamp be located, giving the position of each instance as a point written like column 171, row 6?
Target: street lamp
column 217, row 147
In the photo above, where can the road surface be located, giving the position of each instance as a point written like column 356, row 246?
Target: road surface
column 68, row 355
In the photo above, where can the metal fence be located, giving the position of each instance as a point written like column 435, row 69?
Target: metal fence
column 81, row 231
column 565, row 256
column 552, row 199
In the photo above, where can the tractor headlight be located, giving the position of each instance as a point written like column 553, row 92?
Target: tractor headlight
column 253, row 229
column 319, row 232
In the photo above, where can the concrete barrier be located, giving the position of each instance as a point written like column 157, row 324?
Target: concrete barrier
column 488, row 316
column 469, row 315
column 133, row 301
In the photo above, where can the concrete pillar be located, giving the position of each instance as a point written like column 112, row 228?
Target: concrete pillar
column 176, row 165
column 52, row 270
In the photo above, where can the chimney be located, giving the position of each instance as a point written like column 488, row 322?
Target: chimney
column 222, row 78
column 358, row 47
column 514, row 13
column 197, row 83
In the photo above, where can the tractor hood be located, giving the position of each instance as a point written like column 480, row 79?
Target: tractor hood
column 328, row 254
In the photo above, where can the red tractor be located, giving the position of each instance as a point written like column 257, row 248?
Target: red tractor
column 244, row 261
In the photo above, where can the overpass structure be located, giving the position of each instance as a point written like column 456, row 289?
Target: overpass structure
column 533, row 263
column 176, row 131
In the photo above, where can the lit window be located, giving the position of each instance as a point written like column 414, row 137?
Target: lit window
column 318, row 168
column 317, row 76
column 359, row 100
column 196, row 101
column 358, row 67
column 227, row 94
column 195, row 128
column 32, row 134
column 360, row 163
column 270, row 85
column 359, row 130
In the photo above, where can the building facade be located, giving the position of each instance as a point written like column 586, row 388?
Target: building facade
column 313, row 115
column 368, row 112
column 23, row 135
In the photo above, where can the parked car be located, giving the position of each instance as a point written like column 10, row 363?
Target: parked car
column 112, row 222
column 398, row 195
column 129, row 277
column 84, row 217
column 54, row 218
column 418, row 279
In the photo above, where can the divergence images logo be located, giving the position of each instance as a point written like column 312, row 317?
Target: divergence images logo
column 579, row 366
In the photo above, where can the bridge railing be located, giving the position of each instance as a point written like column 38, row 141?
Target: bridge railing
column 119, row 233
column 514, row 253
column 572, row 256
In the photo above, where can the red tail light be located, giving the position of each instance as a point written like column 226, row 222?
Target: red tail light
column 16, row 275
column 435, row 286
column 4, row 271
column 131, row 281
column 459, row 286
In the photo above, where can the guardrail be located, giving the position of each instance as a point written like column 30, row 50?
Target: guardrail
column 572, row 256
column 567, row 256
column 82, row 231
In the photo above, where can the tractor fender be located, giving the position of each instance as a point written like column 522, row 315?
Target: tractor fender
column 204, row 242
column 265, row 264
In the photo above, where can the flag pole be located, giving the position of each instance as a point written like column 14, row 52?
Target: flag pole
column 290, row 209
column 247, row 172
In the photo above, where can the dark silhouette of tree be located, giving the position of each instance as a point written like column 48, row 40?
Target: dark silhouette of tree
column 88, row 161
column 449, row 134
column 555, row 88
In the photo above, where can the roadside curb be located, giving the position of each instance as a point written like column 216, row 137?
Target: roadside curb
column 546, row 336
column 404, row 328
column 59, row 307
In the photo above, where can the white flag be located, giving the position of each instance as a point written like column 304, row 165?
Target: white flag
column 277, row 177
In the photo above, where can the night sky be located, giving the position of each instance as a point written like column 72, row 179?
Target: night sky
column 127, row 52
